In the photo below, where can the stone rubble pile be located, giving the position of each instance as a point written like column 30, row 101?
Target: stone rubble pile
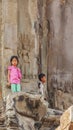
column 25, row 111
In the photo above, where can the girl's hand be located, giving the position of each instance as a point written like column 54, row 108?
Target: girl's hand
column 8, row 84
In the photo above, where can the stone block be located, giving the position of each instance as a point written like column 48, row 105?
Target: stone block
column 30, row 105
column 66, row 118
column 66, row 121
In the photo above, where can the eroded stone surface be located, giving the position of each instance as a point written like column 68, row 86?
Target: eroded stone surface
column 35, row 31
column 25, row 111
column 66, row 120
column 30, row 105
column 41, row 34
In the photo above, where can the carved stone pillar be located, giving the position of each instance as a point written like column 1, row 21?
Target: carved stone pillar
column 60, row 52
column 28, row 39
column 9, row 36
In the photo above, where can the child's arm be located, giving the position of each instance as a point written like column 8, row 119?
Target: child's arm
column 19, row 73
column 9, row 76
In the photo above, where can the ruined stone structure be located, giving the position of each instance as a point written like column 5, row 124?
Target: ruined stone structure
column 25, row 111
column 40, row 32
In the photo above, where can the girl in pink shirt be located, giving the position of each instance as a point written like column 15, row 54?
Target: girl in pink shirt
column 14, row 75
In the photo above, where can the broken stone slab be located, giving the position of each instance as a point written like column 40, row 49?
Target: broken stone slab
column 30, row 111
column 50, row 121
column 54, row 112
column 25, row 122
column 66, row 120
column 29, row 105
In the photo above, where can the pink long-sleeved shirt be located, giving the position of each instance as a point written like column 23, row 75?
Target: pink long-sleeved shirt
column 15, row 75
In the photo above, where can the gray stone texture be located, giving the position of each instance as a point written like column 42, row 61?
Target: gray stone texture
column 40, row 32
column 25, row 111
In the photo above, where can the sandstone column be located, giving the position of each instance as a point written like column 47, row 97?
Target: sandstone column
column 44, row 39
column 60, row 52
column 28, row 43
column 9, row 36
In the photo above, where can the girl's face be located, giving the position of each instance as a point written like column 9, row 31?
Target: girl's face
column 14, row 62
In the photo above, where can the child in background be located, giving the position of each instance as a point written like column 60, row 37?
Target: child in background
column 42, row 79
column 14, row 75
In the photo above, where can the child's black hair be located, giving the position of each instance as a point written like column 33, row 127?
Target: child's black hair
column 12, row 57
column 41, row 75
